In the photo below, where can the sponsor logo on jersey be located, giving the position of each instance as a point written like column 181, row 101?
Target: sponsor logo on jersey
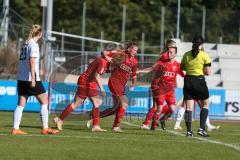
column 125, row 68
column 169, row 74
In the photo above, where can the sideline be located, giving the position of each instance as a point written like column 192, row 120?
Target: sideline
column 198, row 138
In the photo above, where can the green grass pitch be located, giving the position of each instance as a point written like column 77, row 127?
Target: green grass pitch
column 76, row 142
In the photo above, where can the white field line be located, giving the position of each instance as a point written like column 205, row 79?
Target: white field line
column 198, row 138
column 66, row 136
column 92, row 137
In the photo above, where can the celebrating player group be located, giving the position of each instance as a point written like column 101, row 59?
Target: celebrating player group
column 124, row 66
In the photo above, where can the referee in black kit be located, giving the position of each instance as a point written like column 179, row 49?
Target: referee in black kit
column 197, row 64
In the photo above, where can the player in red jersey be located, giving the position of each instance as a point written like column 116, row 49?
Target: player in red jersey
column 88, row 83
column 120, row 74
column 163, row 84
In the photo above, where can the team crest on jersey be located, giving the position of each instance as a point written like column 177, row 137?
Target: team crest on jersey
column 174, row 68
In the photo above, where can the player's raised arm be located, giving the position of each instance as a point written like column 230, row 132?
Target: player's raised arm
column 107, row 55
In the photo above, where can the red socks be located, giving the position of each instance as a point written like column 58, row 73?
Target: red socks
column 119, row 116
column 149, row 115
column 166, row 112
column 96, row 116
column 165, row 109
column 155, row 119
column 66, row 112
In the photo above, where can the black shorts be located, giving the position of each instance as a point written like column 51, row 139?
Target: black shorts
column 25, row 89
column 195, row 87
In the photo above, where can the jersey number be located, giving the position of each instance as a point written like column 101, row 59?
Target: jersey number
column 23, row 53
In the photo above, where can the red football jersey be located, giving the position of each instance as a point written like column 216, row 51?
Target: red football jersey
column 99, row 65
column 122, row 71
column 167, row 71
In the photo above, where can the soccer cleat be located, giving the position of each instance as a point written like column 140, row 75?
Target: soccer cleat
column 209, row 129
column 189, row 134
column 177, row 128
column 117, row 129
column 202, row 133
column 49, row 131
column 144, row 127
column 89, row 124
column 58, row 122
column 163, row 125
column 18, row 132
column 98, row 129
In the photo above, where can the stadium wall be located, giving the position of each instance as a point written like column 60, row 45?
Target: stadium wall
column 224, row 104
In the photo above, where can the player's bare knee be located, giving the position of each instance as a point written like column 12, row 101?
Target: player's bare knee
column 43, row 101
column 96, row 104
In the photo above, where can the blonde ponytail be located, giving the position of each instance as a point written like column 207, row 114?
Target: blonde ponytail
column 35, row 31
column 118, row 57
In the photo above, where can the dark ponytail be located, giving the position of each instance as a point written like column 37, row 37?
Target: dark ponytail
column 197, row 41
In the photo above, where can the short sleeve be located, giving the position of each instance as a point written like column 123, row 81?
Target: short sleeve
column 34, row 50
column 164, row 57
column 207, row 59
column 183, row 62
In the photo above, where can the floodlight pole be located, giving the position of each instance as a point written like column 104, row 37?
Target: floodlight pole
column 102, row 37
column 178, row 18
column 43, row 47
column 49, row 17
column 124, row 21
column 203, row 22
column 84, row 61
column 62, row 44
column 142, row 46
column 162, row 28
column 4, row 24
column 83, row 25
column 49, row 54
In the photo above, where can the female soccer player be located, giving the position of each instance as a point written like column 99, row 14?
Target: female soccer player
column 163, row 84
column 88, row 83
column 118, row 79
column 29, row 83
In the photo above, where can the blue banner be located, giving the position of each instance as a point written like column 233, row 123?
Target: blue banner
column 139, row 99
column 216, row 106
column 63, row 93
column 9, row 97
